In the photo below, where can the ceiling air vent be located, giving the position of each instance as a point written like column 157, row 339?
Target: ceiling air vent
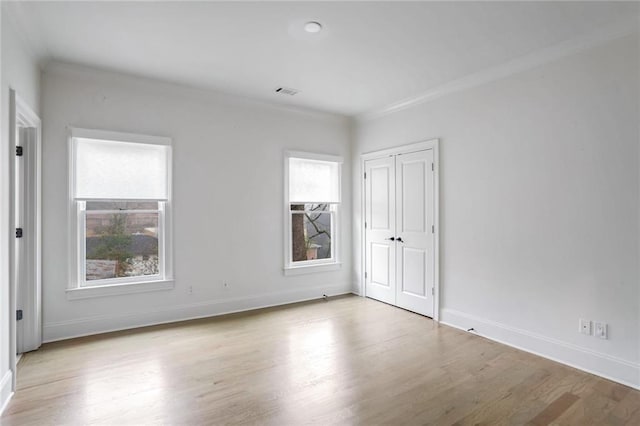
column 287, row 91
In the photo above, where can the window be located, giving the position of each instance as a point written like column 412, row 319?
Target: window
column 312, row 211
column 120, row 194
column 121, row 240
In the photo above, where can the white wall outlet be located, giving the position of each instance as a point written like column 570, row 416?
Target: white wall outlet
column 584, row 326
column 190, row 289
column 600, row 330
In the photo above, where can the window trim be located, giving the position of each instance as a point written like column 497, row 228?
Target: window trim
column 163, row 281
column 317, row 265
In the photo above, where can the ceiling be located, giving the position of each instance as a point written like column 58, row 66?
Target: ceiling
column 369, row 55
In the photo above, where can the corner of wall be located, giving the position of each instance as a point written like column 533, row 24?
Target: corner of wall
column 355, row 206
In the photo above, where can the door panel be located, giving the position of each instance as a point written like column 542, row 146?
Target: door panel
column 413, row 218
column 380, row 211
column 415, row 250
column 381, row 203
column 414, row 267
column 380, row 273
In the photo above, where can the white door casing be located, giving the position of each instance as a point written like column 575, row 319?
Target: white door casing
column 28, row 330
column 25, row 252
column 400, row 231
column 19, row 246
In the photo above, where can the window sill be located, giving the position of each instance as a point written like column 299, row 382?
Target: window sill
column 118, row 289
column 310, row 269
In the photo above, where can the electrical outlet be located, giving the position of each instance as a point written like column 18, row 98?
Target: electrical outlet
column 600, row 330
column 190, row 290
column 584, row 326
column 225, row 284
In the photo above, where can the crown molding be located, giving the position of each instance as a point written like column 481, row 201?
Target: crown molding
column 523, row 63
column 157, row 85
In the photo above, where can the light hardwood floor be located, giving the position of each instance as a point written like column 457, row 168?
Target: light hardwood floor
column 346, row 361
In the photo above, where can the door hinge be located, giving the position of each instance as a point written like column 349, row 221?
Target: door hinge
column 365, row 175
column 433, row 229
column 432, row 167
column 433, row 292
column 18, row 314
column 18, row 232
column 18, row 151
column 365, row 275
column 365, row 225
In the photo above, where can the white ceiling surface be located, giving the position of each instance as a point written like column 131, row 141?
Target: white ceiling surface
column 370, row 54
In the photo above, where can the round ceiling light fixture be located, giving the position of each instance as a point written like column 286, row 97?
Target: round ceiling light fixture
column 313, row 27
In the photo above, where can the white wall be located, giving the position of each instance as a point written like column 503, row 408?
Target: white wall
column 228, row 197
column 539, row 205
column 19, row 71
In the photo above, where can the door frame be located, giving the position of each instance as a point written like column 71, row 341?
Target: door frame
column 21, row 115
column 405, row 149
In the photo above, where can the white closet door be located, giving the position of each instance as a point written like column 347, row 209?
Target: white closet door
column 414, row 232
column 380, row 220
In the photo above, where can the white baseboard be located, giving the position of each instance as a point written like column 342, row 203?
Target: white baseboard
column 61, row 330
column 5, row 390
column 600, row 364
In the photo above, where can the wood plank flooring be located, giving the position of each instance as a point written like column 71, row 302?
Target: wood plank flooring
column 346, row 361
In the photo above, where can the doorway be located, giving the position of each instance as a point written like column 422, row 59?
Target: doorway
column 25, row 253
column 401, row 227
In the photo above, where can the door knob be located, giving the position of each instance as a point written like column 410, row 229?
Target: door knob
column 399, row 239
column 391, row 239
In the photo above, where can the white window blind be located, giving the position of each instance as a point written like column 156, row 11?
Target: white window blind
column 313, row 181
column 120, row 170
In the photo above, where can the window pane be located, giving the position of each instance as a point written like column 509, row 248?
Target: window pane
column 121, row 244
column 311, row 232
